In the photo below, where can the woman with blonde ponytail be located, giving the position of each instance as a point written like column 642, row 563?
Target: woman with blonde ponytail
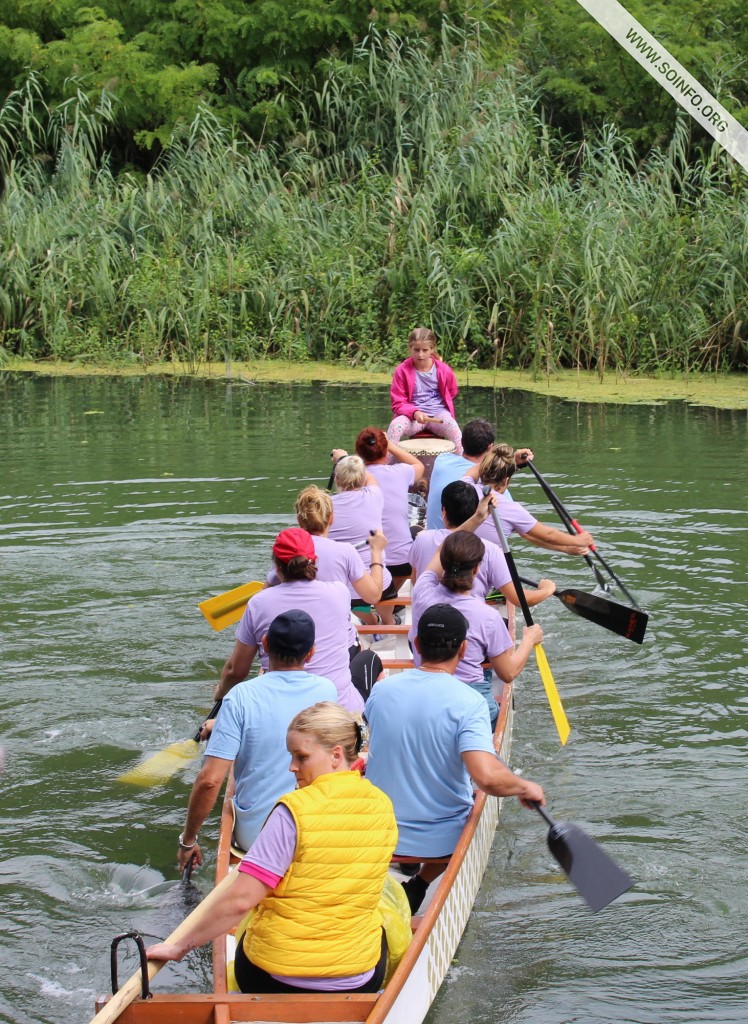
column 496, row 469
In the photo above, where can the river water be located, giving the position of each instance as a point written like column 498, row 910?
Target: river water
column 125, row 501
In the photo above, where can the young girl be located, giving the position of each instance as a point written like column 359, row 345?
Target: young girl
column 422, row 392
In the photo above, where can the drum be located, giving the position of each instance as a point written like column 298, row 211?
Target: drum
column 426, row 447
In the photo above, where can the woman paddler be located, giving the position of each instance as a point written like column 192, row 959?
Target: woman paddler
column 449, row 579
column 395, row 480
column 315, row 874
column 496, row 469
column 328, row 604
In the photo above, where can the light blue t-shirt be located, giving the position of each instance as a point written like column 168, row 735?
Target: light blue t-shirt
column 448, row 467
column 421, row 723
column 251, row 731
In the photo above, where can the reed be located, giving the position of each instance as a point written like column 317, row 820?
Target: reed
column 419, row 187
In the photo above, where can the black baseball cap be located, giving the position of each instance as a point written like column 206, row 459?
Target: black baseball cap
column 441, row 625
column 291, row 633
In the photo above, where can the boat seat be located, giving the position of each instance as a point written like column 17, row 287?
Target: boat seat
column 384, row 629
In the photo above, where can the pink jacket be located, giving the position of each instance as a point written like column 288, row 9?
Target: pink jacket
column 404, row 384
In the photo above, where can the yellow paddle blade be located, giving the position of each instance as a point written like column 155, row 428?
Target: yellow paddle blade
column 224, row 609
column 163, row 765
column 551, row 692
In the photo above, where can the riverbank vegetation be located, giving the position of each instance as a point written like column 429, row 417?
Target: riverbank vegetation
column 414, row 180
column 711, row 390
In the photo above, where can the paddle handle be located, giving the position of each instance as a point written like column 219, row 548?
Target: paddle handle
column 211, row 714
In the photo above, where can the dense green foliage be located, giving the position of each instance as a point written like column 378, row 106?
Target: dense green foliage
column 416, row 188
column 162, row 59
column 586, row 78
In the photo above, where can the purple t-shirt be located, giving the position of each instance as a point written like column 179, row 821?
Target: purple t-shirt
column 356, row 513
column 330, row 607
column 493, row 572
column 337, row 562
column 487, row 635
column 426, row 395
column 514, row 517
column 272, row 852
column 394, row 482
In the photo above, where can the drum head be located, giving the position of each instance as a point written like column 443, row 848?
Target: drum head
column 427, row 445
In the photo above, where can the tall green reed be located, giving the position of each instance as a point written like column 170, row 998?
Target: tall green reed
column 421, row 186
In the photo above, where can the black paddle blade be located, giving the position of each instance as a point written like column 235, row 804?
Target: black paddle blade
column 597, row 878
column 630, row 623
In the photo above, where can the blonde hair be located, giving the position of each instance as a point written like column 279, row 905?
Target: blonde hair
column 422, row 334
column 331, row 726
column 313, row 510
column 497, row 465
column 350, row 473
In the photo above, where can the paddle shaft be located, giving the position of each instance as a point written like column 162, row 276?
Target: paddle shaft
column 543, row 813
column 510, row 563
column 573, row 526
column 211, row 714
column 132, row 988
column 549, row 683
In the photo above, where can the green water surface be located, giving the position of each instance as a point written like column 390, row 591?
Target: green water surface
column 125, row 501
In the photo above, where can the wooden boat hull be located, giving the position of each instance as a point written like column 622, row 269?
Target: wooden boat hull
column 412, row 988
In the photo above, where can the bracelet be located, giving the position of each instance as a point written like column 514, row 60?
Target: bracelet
column 186, row 846
column 375, row 564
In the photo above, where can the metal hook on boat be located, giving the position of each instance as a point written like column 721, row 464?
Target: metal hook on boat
column 146, row 992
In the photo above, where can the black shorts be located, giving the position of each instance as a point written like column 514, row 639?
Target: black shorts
column 251, row 978
column 404, row 569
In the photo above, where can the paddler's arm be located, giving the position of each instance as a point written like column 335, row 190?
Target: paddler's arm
column 493, row 777
column 369, row 587
column 227, row 909
column 407, row 458
column 205, row 790
column 557, row 540
column 236, row 668
column 481, row 514
column 544, row 589
column 510, row 663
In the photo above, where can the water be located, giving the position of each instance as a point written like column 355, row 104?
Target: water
column 124, row 502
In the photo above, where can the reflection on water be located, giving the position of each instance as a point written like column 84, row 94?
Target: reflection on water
column 124, row 502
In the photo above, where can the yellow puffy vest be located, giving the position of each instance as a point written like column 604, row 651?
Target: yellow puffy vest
column 322, row 919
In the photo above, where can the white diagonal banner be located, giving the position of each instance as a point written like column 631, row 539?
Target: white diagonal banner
column 671, row 75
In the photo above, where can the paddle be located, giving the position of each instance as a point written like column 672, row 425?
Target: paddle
column 573, row 526
column 630, row 623
column 567, row 522
column 225, row 609
column 551, row 691
column 162, row 766
column 133, row 986
column 596, row 876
